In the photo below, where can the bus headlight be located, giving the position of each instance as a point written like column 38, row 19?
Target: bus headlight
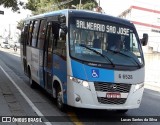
column 81, row 82
column 138, row 86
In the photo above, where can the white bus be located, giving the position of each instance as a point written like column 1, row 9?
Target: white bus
column 85, row 59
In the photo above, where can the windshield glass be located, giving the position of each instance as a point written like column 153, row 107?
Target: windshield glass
column 114, row 44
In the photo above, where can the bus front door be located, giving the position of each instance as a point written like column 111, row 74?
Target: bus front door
column 48, row 59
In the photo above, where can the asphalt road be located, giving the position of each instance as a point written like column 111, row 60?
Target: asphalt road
column 150, row 106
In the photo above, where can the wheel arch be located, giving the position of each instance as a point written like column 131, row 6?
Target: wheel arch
column 55, row 84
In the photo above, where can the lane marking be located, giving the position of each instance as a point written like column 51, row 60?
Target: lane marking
column 25, row 97
column 74, row 118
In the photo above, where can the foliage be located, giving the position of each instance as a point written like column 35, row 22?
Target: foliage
column 20, row 25
column 13, row 4
column 50, row 5
column 41, row 6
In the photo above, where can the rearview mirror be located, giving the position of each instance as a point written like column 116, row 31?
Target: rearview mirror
column 64, row 28
column 62, row 19
column 144, row 40
column 62, row 34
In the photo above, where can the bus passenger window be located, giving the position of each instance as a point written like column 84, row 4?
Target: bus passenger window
column 50, row 41
column 41, row 35
column 24, row 35
column 30, row 33
column 35, row 33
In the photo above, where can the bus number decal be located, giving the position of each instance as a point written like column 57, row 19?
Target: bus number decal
column 125, row 76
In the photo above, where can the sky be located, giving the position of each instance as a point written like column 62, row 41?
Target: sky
column 116, row 7
column 10, row 19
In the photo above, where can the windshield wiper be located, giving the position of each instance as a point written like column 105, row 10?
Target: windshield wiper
column 98, row 53
column 126, row 56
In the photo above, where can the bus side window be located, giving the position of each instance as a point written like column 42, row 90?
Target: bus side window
column 35, row 33
column 49, row 45
column 50, row 39
column 24, row 35
column 60, row 43
column 41, row 35
column 30, row 33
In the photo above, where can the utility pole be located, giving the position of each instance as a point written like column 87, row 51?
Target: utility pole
column 99, row 3
column 80, row 4
column 9, row 34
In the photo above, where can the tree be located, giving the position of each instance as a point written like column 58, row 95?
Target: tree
column 13, row 4
column 86, row 4
column 42, row 6
column 20, row 25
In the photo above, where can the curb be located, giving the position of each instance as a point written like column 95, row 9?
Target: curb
column 152, row 86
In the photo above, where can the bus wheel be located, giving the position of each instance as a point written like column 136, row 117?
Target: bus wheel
column 123, row 111
column 60, row 104
column 31, row 82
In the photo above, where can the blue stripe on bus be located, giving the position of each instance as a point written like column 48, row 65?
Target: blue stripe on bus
column 90, row 73
column 60, row 70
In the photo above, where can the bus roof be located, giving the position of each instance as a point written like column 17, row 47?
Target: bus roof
column 86, row 14
column 98, row 16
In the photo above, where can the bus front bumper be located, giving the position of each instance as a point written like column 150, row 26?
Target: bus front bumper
column 79, row 96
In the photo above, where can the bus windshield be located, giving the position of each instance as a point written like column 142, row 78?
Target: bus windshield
column 104, row 42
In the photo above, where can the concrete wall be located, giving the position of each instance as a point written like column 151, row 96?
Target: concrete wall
column 152, row 66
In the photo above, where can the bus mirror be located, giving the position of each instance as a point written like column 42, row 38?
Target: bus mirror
column 62, row 19
column 64, row 28
column 62, row 34
column 144, row 40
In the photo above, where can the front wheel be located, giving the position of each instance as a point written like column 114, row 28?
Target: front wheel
column 31, row 82
column 59, row 101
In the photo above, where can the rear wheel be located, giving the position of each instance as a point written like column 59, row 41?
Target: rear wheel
column 31, row 82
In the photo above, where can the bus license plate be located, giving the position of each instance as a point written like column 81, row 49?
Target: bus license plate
column 113, row 95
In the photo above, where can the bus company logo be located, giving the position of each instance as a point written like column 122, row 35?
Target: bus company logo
column 95, row 73
column 113, row 87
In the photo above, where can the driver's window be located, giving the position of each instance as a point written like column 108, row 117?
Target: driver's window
column 59, row 42
column 134, row 45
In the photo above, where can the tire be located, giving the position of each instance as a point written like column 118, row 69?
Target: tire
column 31, row 82
column 123, row 111
column 60, row 104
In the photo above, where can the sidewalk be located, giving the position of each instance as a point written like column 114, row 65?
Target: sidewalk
column 11, row 101
column 152, row 86
column 11, row 51
column 9, row 105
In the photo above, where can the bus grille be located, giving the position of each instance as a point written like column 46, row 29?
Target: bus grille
column 104, row 100
column 109, row 87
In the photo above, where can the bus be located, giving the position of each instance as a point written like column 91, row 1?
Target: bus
column 85, row 59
